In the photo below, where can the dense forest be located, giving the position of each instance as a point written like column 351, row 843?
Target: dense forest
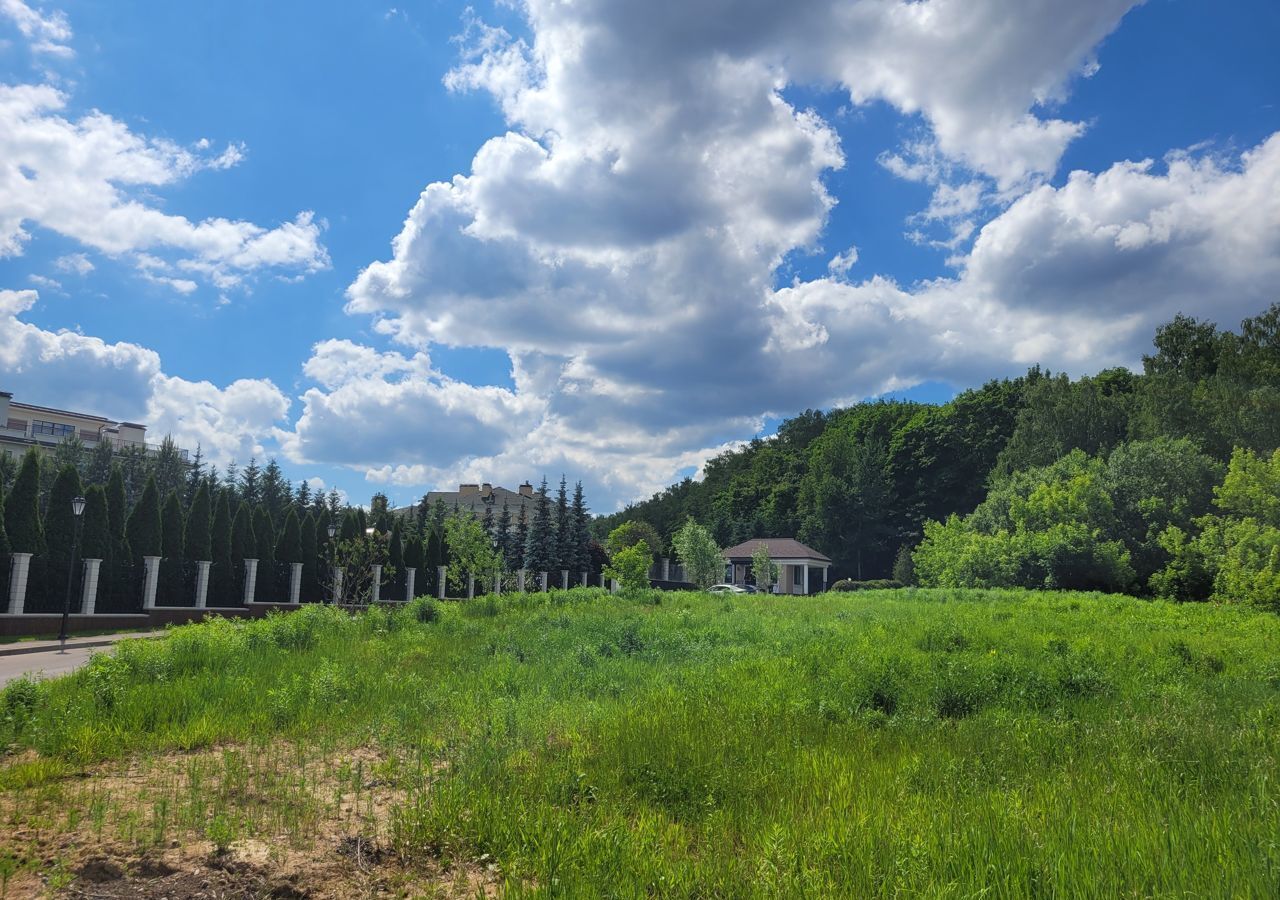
column 1114, row 480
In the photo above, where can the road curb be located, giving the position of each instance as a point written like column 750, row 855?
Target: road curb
column 46, row 646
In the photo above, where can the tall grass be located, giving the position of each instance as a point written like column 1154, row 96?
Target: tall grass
column 936, row 743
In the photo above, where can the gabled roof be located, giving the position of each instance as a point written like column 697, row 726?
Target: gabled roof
column 779, row 548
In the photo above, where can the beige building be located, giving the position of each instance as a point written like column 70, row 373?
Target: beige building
column 474, row 498
column 25, row 426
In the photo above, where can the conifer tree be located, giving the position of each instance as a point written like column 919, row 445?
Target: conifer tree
column 302, row 497
column 264, row 532
column 289, row 547
column 438, row 514
column 171, row 591
column 116, row 582
column 251, row 483
column 521, row 537
column 243, row 546
column 540, row 548
column 275, row 490
column 4, row 552
column 581, row 522
column 350, row 529
column 310, row 558
column 21, row 510
column 335, row 503
column 169, row 469
column 198, row 538
column 59, row 532
column 231, row 481
column 195, row 478
column 486, row 521
column 223, row 572
column 395, row 560
column 95, row 531
column 413, row 559
column 565, row 553
column 143, row 529
column 100, row 461
column 504, row 538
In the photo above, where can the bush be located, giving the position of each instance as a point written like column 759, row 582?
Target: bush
column 879, row 584
column 424, row 610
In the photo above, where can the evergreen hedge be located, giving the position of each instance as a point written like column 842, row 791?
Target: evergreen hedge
column 199, row 537
column 143, row 528
column 222, row 574
column 22, row 510
column 172, row 590
column 59, row 534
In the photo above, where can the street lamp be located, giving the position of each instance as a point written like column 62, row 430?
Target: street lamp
column 333, row 531
column 77, row 510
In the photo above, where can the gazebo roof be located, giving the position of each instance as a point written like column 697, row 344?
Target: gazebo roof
column 779, row 548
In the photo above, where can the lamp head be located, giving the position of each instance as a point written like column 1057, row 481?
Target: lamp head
column 77, row 506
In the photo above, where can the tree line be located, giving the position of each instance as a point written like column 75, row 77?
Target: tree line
column 1041, row 480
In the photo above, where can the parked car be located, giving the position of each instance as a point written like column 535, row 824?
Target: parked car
column 727, row 589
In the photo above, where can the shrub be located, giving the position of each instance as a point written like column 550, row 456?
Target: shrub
column 424, row 610
column 880, row 584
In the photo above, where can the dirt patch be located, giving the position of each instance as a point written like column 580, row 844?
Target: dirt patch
column 230, row 822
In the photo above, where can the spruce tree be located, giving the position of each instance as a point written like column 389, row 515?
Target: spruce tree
column 264, row 532
column 59, row 533
column 310, row 558
column 169, row 469
column 504, row 538
column 540, row 548
column 302, row 497
column 101, row 459
column 581, row 521
column 198, row 538
column 486, row 521
column 223, row 571
column 565, row 554
column 251, row 483
column 21, row 509
column 521, row 537
column 275, row 490
column 172, row 588
column 143, row 529
column 195, row 478
column 438, row 514
column 243, row 546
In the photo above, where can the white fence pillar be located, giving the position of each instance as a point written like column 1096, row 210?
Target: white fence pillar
column 613, row 585
column 471, row 585
column 295, row 582
column 376, row 593
column 89, row 592
column 602, row 579
column 338, row 572
column 410, row 573
column 202, row 582
column 152, row 579
column 497, row 582
column 666, row 568
column 441, row 574
column 18, row 574
column 564, row 578
column 250, row 579
column 585, row 577
column 542, row 581
column 520, row 581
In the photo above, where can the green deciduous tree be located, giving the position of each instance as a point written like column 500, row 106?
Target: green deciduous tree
column 471, row 550
column 763, row 568
column 630, row 567
column 699, row 554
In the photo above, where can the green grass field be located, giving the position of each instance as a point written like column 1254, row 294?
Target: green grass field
column 901, row 743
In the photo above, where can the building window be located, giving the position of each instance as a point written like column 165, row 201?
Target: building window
column 51, row 428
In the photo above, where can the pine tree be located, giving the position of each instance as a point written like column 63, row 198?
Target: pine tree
column 504, row 538
column 223, row 572
column 302, row 496
column 264, row 532
column 143, row 529
column 310, row 558
column 59, row 532
column 540, row 548
column 565, row 553
column 243, row 546
column 335, row 503
column 198, row 538
column 22, row 512
column 172, row 547
column 521, row 538
column 581, row 521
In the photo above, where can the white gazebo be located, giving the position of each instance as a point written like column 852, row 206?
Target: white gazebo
column 801, row 569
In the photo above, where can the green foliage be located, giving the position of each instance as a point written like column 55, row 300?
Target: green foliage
column 877, row 584
column 95, row 541
column 21, row 509
column 630, row 533
column 171, row 590
column 904, row 567
column 199, row 540
column 630, row 567
column 699, row 554
column 471, row 550
column 264, row 537
column 310, row 545
column 222, row 572
column 117, row 512
column 289, row 549
column 143, row 528
column 541, row 553
column 763, row 569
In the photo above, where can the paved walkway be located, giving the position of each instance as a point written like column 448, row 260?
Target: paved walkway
column 44, row 657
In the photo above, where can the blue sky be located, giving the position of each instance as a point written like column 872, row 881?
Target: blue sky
column 638, row 247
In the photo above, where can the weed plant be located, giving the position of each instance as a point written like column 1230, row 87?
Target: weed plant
column 880, row 743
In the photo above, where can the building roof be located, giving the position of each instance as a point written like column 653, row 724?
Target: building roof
column 60, row 412
column 779, row 548
column 476, row 500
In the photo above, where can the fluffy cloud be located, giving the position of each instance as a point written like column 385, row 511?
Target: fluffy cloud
column 86, row 179
column 124, row 381
column 47, row 33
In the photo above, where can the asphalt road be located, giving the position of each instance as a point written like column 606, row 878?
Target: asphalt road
column 50, row 661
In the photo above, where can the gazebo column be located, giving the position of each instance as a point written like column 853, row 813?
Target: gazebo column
column 806, row 579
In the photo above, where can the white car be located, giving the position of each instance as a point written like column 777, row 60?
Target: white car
column 727, row 589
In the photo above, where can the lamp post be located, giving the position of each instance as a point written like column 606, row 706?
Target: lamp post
column 77, row 509
column 333, row 533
